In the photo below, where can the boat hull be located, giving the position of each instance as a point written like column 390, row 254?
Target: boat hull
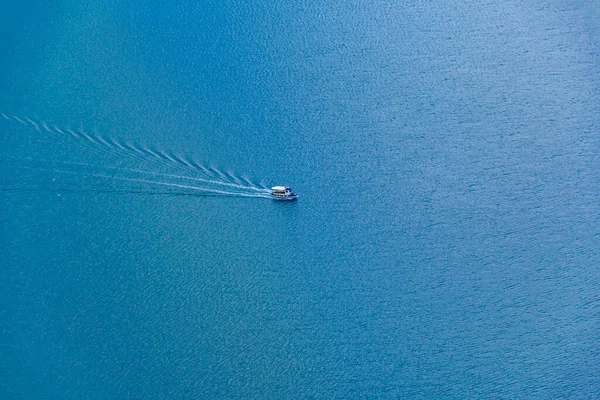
column 291, row 197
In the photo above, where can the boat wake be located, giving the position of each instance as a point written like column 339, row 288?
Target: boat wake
column 126, row 162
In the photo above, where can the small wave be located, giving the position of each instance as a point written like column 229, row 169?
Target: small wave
column 105, row 143
column 74, row 134
column 37, row 128
column 19, row 120
column 182, row 161
column 45, row 126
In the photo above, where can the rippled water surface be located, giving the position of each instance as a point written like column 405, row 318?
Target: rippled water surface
column 446, row 242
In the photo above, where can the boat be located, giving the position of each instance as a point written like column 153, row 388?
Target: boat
column 283, row 193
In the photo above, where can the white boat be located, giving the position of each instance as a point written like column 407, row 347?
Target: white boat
column 283, row 193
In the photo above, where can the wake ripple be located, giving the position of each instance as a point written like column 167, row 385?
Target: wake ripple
column 147, row 181
column 211, row 177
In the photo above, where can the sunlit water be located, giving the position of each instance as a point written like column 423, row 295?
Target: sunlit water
column 446, row 239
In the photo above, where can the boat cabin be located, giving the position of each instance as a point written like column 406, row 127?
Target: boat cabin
column 282, row 193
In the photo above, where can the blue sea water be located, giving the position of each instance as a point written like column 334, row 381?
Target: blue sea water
column 446, row 242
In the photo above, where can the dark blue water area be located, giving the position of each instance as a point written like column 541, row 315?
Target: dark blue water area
column 445, row 244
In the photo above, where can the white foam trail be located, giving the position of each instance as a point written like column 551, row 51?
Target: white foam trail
column 191, row 178
column 209, row 181
column 147, row 181
column 198, row 180
column 218, row 177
